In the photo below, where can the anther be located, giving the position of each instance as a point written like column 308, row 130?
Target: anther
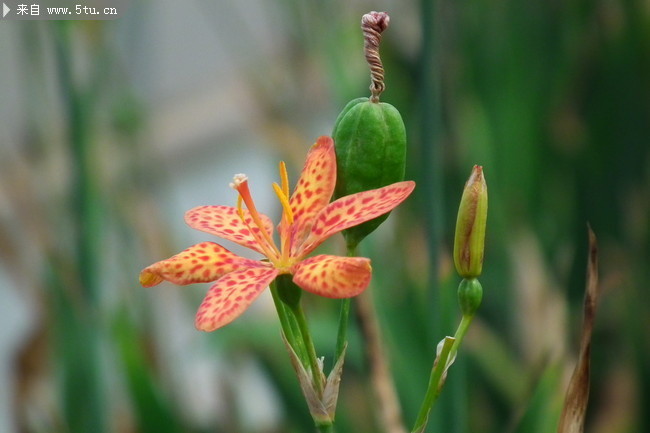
column 285, row 202
column 284, row 177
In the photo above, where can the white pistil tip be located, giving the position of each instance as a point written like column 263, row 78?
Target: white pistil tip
column 237, row 180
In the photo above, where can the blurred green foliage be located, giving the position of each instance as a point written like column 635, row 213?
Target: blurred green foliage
column 551, row 98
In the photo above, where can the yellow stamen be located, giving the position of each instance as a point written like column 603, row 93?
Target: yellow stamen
column 285, row 202
column 284, row 177
column 287, row 214
column 240, row 210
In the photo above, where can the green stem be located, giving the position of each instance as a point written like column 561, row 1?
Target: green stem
column 460, row 333
column 433, row 390
column 325, row 428
column 282, row 313
column 309, row 346
column 289, row 324
column 436, row 381
column 288, row 300
column 342, row 335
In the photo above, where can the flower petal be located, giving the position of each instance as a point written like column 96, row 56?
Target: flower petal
column 333, row 276
column 200, row 263
column 314, row 188
column 353, row 210
column 224, row 221
column 231, row 295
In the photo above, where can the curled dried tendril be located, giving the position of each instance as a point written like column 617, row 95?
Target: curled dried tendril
column 372, row 25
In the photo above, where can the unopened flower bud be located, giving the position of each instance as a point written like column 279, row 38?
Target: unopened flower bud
column 470, row 294
column 470, row 226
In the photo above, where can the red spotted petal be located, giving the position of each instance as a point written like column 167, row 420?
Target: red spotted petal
column 201, row 263
column 231, row 295
column 333, row 276
column 314, row 188
column 224, row 221
column 353, row 210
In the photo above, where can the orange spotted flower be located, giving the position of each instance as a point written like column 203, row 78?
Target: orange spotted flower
column 308, row 218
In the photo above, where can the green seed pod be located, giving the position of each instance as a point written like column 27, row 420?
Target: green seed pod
column 470, row 294
column 370, row 141
column 369, row 136
column 345, row 110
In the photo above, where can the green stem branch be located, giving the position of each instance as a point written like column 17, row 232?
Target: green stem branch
column 342, row 335
column 436, row 381
column 460, row 334
column 289, row 325
column 282, row 313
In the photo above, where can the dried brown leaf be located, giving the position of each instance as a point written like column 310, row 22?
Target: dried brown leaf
column 575, row 404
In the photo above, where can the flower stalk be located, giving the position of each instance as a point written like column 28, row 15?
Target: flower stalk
column 447, row 351
column 469, row 246
column 434, row 387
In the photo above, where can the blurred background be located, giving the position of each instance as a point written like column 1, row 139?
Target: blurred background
column 110, row 130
